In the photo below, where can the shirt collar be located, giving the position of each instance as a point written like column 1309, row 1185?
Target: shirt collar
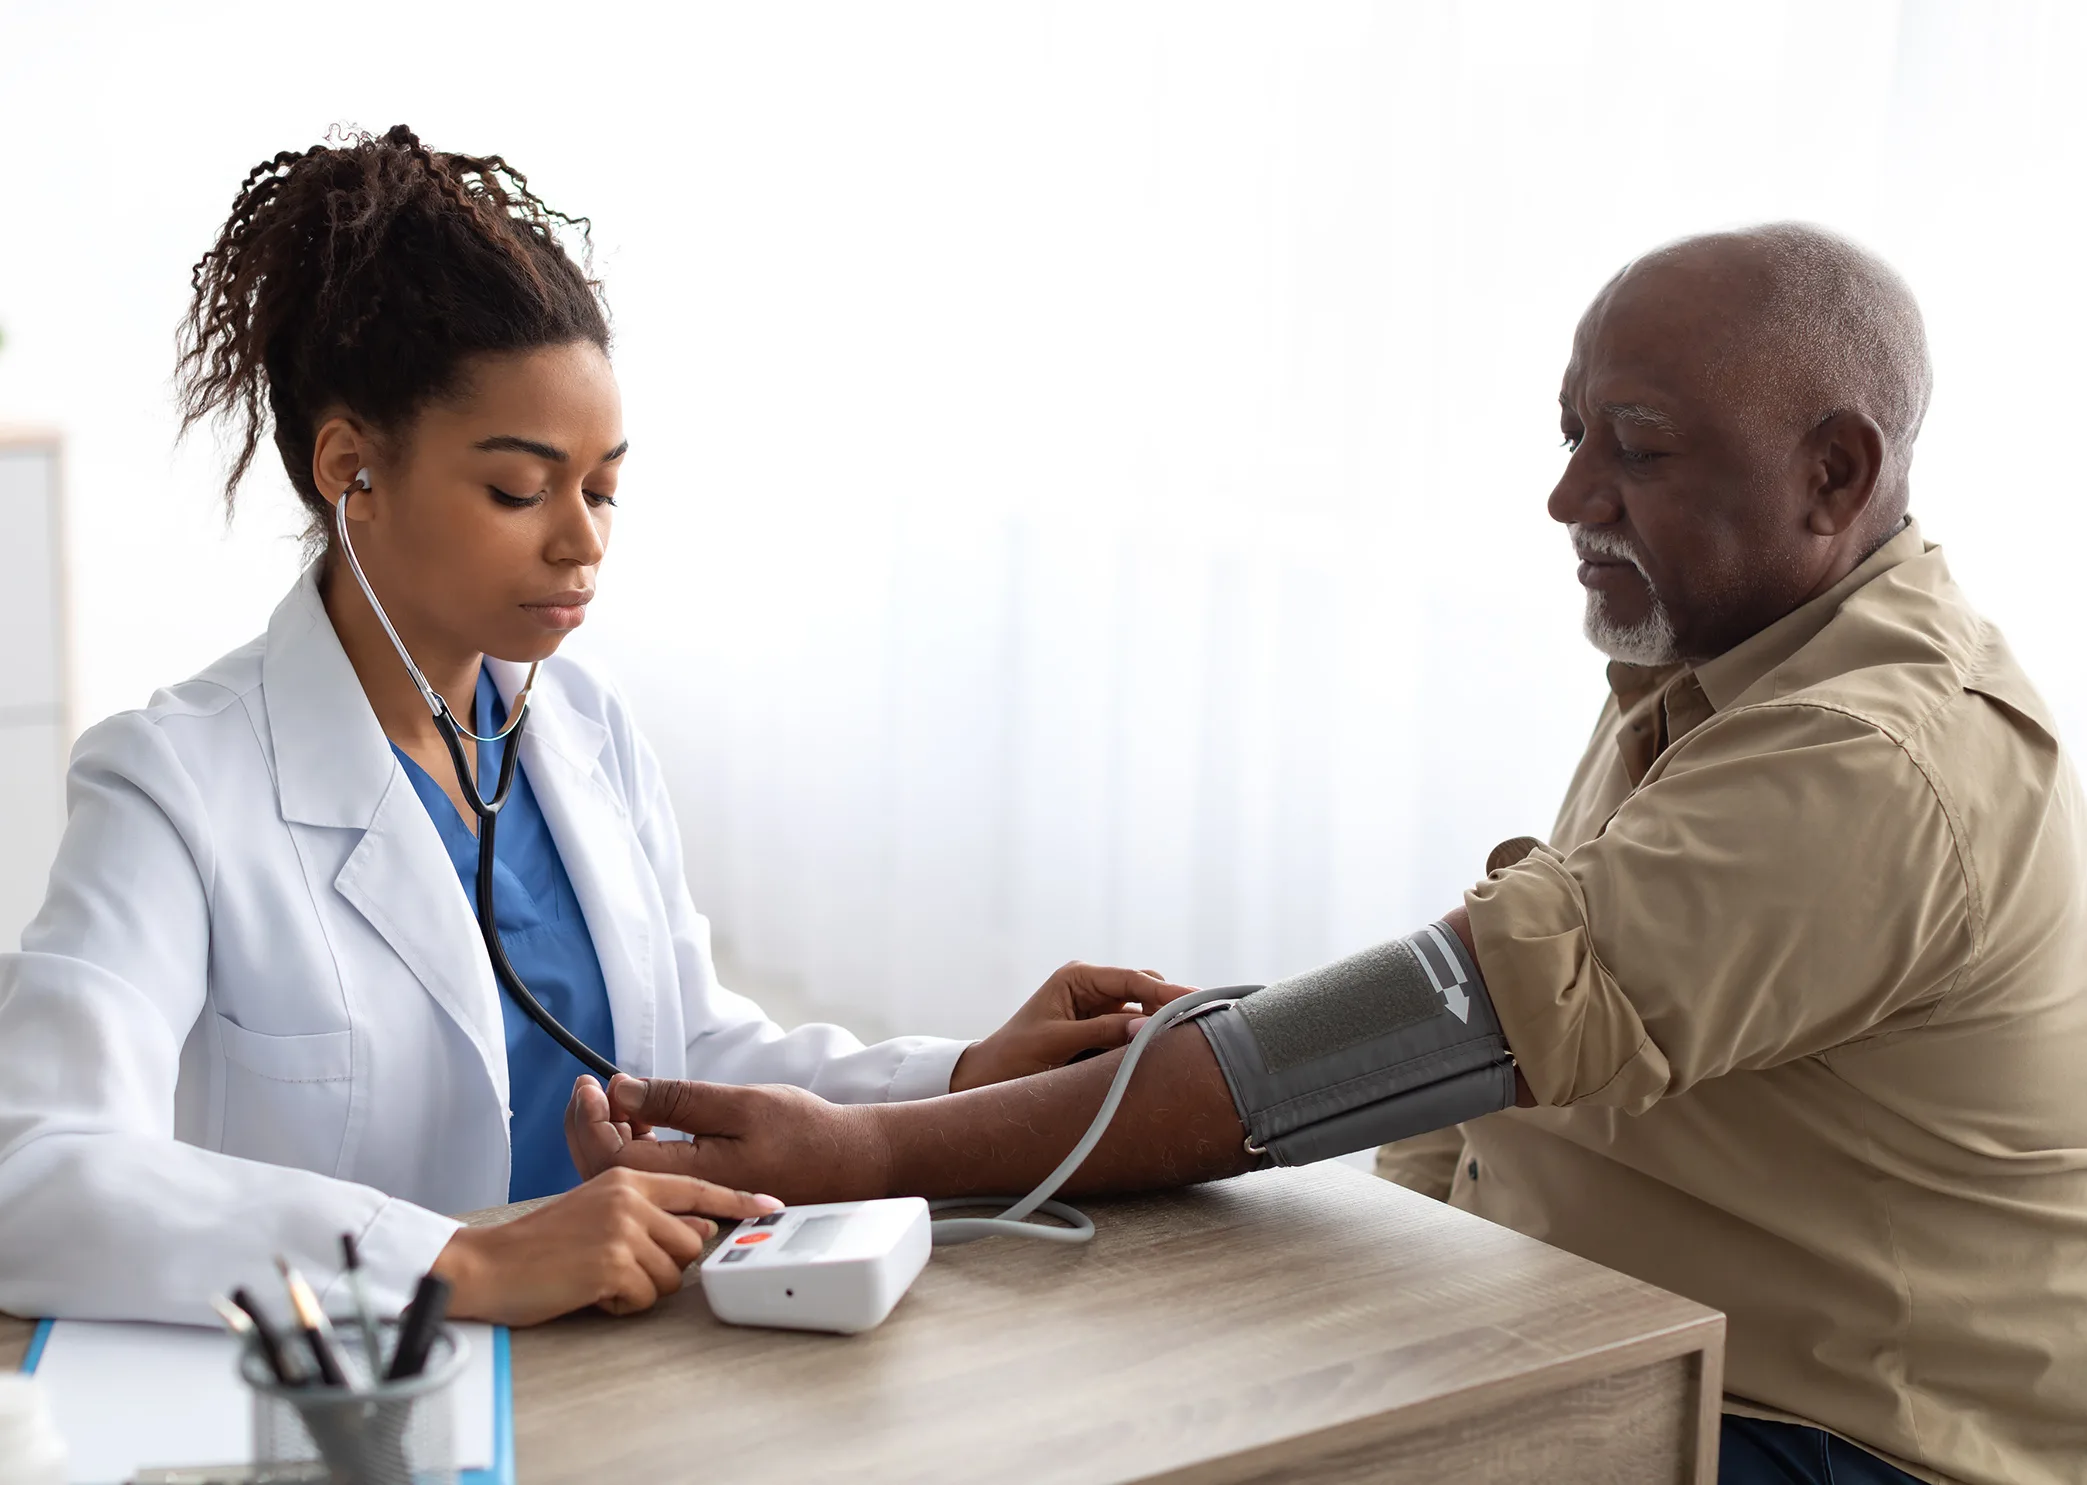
column 1631, row 684
column 1660, row 704
column 1728, row 677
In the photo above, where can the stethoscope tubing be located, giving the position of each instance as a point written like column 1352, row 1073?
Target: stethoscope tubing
column 487, row 810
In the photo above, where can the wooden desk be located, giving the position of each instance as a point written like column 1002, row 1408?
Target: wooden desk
column 1309, row 1325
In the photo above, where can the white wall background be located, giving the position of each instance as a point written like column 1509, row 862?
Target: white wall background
column 1088, row 460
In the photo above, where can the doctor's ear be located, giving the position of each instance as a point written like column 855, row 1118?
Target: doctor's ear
column 342, row 456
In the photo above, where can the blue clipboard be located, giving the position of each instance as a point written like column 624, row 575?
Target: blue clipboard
column 503, row 1470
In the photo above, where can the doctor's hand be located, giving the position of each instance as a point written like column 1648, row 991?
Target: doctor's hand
column 619, row 1241
column 1082, row 1009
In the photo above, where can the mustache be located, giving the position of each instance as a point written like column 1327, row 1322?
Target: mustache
column 1593, row 545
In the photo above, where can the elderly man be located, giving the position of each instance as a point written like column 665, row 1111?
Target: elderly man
column 1794, row 1002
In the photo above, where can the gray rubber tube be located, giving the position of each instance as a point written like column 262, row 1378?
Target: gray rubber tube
column 1013, row 1222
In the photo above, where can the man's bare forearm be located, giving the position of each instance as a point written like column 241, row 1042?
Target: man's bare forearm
column 1175, row 1126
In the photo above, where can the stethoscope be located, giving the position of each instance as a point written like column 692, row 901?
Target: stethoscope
column 487, row 810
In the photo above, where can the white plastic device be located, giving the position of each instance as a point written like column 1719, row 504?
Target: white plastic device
column 840, row 1266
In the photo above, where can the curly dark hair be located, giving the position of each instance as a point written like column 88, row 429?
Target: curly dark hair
column 362, row 274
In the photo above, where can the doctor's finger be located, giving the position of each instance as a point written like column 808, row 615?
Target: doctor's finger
column 691, row 1195
column 1103, row 989
column 1063, row 1040
column 661, row 1264
column 627, row 1288
column 681, row 1239
column 717, row 1164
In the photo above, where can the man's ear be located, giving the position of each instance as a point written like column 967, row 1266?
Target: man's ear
column 1846, row 455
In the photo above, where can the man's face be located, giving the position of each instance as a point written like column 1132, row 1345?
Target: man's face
column 1684, row 499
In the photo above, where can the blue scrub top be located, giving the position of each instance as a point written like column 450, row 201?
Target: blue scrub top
column 547, row 942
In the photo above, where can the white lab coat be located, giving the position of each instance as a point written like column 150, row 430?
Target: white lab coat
column 255, row 1011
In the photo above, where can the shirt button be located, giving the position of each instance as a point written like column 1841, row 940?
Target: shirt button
column 1471, row 1170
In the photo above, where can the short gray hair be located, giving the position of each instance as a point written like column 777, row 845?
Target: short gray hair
column 1831, row 327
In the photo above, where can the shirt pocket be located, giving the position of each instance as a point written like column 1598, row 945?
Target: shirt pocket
column 286, row 1097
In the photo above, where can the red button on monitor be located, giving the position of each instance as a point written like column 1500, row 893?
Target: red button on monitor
column 754, row 1237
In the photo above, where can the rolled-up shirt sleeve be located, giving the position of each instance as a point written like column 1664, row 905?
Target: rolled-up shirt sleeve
column 1785, row 880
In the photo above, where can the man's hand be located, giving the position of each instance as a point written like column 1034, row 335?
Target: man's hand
column 1176, row 1126
column 592, row 1133
column 774, row 1139
column 1081, row 1008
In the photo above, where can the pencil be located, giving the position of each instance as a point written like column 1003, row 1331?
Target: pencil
column 236, row 1320
column 318, row 1331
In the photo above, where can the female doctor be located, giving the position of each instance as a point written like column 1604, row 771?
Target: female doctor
column 256, row 1011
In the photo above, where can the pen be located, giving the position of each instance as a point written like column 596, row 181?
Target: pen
column 271, row 1344
column 372, row 1348
column 417, row 1329
column 318, row 1333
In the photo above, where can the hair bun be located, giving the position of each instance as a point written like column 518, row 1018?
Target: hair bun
column 364, row 273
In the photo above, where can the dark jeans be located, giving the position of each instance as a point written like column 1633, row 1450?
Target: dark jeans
column 1753, row 1452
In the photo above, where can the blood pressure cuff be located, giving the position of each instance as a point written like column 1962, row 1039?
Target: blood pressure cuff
column 1394, row 1041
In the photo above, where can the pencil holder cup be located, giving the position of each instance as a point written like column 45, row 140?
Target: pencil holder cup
column 368, row 1433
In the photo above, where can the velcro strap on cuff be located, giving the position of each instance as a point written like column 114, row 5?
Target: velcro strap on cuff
column 1394, row 1041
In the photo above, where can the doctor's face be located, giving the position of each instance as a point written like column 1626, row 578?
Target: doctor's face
column 487, row 521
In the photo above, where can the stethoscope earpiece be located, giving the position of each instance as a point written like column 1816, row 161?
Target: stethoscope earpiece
column 444, row 719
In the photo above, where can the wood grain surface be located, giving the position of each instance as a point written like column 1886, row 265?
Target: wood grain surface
column 1314, row 1324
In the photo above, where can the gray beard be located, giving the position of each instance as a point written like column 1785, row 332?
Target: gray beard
column 1650, row 641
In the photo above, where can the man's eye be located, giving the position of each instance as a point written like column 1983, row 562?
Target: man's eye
column 596, row 497
column 1630, row 455
column 513, row 502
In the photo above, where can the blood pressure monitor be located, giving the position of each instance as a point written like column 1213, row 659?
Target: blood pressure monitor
column 1391, row 1042
column 835, row 1267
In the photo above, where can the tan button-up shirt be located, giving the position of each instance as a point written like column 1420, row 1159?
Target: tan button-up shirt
column 1801, row 983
